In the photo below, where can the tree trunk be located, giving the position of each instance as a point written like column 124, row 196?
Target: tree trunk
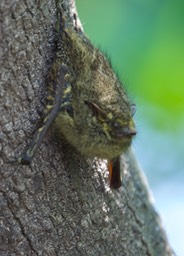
column 61, row 204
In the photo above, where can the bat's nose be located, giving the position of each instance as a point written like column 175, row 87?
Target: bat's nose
column 125, row 132
column 129, row 131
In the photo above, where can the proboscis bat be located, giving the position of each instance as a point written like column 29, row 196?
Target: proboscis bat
column 91, row 108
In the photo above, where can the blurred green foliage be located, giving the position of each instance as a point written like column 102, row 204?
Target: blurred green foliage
column 145, row 40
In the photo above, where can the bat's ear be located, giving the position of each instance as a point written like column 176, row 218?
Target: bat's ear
column 115, row 173
column 133, row 109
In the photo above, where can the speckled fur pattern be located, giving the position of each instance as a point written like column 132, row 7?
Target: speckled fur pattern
column 94, row 135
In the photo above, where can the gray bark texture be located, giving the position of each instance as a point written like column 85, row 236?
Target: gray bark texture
column 61, row 204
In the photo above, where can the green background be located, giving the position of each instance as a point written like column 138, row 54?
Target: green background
column 145, row 42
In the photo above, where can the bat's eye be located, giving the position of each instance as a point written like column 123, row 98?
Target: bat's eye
column 116, row 125
column 133, row 109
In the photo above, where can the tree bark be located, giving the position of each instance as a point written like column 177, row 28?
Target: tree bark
column 61, row 204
